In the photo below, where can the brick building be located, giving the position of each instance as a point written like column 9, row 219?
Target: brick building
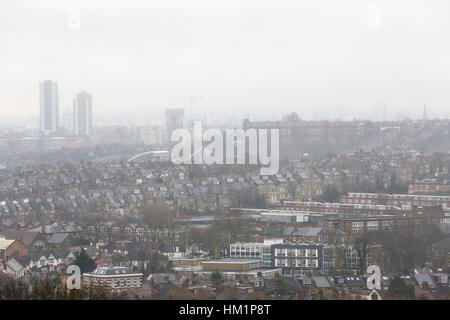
column 428, row 185
column 232, row 264
column 396, row 199
column 11, row 248
column 115, row 279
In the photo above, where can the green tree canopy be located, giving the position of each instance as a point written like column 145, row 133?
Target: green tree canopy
column 216, row 276
column 85, row 262
column 399, row 288
column 331, row 194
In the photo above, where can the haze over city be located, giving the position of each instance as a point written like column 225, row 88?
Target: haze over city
column 323, row 60
column 228, row 150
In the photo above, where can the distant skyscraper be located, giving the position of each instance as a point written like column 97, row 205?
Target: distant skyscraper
column 49, row 103
column 82, row 114
column 174, row 119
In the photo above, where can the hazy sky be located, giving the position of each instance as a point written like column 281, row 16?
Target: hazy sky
column 322, row 57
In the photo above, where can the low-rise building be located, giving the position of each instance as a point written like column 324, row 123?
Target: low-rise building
column 115, row 279
column 252, row 250
column 232, row 264
column 299, row 258
column 11, row 248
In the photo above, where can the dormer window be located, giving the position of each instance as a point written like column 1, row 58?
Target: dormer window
column 39, row 245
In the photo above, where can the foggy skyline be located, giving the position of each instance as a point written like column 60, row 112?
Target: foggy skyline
column 336, row 59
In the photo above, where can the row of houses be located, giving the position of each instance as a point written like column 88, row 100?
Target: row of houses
column 123, row 186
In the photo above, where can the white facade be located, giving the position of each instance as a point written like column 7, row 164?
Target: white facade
column 257, row 250
column 285, row 216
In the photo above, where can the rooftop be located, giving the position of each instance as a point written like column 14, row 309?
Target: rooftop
column 112, row 271
column 5, row 243
column 233, row 260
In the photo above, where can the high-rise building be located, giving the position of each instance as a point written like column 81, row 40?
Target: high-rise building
column 82, row 114
column 174, row 119
column 49, row 104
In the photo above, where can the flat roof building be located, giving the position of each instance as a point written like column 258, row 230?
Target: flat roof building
column 232, row 264
column 258, row 250
column 115, row 279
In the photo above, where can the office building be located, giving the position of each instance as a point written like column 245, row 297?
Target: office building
column 256, row 250
column 299, row 258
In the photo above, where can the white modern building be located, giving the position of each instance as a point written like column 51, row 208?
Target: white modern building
column 258, row 250
column 285, row 216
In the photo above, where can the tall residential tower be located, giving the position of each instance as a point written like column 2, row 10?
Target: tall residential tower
column 82, row 114
column 49, row 104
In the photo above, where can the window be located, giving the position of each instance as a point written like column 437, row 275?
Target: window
column 280, row 262
column 357, row 224
column 372, row 224
column 312, row 263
